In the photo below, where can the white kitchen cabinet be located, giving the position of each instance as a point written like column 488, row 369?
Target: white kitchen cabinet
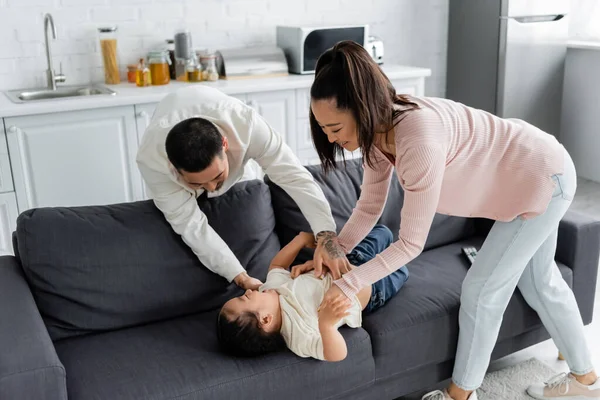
column 414, row 87
column 8, row 222
column 6, row 183
column 66, row 158
column 143, row 115
column 74, row 158
column 278, row 109
column 304, row 144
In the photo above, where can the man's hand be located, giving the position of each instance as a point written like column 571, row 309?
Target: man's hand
column 245, row 281
column 302, row 268
column 333, row 309
column 330, row 254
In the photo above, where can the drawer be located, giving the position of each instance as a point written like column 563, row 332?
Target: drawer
column 406, row 87
column 302, row 103
column 6, row 182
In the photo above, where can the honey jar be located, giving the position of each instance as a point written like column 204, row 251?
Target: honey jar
column 131, row 70
column 159, row 62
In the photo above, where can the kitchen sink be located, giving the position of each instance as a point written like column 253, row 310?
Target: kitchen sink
column 61, row 92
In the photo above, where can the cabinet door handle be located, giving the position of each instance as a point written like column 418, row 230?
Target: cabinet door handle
column 12, row 129
column 143, row 114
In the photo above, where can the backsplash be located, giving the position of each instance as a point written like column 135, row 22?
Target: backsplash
column 414, row 31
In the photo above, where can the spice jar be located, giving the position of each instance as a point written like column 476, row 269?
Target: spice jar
column 159, row 62
column 131, row 72
column 194, row 70
column 209, row 70
column 142, row 75
column 108, row 46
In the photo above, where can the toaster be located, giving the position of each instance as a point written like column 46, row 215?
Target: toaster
column 302, row 46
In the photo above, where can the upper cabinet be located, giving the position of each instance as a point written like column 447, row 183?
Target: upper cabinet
column 74, row 158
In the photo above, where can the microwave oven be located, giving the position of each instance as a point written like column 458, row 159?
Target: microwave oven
column 302, row 46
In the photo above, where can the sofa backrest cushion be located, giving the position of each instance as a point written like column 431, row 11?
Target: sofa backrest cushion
column 342, row 189
column 100, row 268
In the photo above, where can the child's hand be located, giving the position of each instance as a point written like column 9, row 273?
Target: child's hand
column 332, row 310
column 302, row 268
column 307, row 239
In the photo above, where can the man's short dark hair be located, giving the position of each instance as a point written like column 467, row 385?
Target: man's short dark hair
column 193, row 144
column 243, row 336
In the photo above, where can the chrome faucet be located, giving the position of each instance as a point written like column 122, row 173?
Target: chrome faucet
column 52, row 77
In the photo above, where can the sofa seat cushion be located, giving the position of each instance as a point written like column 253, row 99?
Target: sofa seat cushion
column 419, row 326
column 99, row 268
column 179, row 359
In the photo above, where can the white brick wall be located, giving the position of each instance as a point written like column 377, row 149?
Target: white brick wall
column 414, row 31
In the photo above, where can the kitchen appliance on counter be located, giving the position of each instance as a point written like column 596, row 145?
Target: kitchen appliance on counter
column 507, row 57
column 375, row 48
column 251, row 62
column 303, row 45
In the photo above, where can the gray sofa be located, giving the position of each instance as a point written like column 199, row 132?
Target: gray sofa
column 106, row 302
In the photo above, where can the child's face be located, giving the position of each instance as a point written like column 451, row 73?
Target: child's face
column 263, row 304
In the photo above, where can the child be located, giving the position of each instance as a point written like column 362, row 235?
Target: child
column 287, row 309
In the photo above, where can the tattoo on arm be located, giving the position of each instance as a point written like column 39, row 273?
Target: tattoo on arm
column 330, row 244
column 326, row 235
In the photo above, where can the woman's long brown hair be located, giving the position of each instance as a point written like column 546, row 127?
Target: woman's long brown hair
column 348, row 74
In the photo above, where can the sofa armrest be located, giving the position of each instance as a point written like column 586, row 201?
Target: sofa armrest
column 29, row 365
column 579, row 248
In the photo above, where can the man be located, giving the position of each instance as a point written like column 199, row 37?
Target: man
column 200, row 139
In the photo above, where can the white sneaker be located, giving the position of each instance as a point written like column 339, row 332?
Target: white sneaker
column 565, row 387
column 439, row 395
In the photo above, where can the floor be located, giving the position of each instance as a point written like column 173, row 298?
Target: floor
column 587, row 200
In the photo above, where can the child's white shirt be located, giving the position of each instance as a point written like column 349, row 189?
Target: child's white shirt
column 299, row 299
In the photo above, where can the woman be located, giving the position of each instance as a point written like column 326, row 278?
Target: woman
column 460, row 161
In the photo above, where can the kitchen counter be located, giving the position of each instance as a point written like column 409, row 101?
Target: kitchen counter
column 584, row 44
column 129, row 94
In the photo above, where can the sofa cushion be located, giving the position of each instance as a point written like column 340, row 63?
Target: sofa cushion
column 342, row 190
column 419, row 326
column 109, row 267
column 179, row 359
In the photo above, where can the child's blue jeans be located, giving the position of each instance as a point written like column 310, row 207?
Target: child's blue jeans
column 384, row 289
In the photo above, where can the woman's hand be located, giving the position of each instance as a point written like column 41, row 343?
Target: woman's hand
column 302, row 268
column 329, row 254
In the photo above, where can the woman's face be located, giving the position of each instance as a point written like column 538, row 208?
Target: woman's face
column 338, row 125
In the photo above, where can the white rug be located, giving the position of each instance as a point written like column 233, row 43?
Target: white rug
column 510, row 383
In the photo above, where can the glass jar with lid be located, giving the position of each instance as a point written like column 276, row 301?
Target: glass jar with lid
column 209, row 67
column 108, row 47
column 194, row 70
column 159, row 61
